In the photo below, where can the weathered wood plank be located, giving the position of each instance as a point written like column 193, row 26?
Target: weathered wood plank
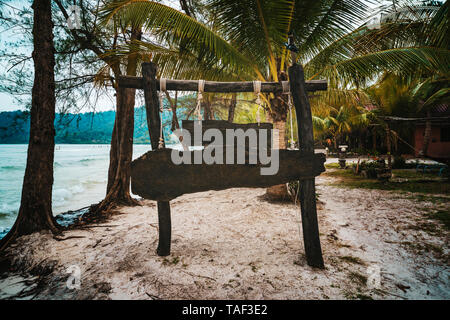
column 154, row 176
column 310, row 225
column 214, row 86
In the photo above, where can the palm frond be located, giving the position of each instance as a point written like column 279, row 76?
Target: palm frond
column 173, row 27
column 401, row 60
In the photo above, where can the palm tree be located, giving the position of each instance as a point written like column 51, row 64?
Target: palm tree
column 246, row 40
column 396, row 96
column 426, row 95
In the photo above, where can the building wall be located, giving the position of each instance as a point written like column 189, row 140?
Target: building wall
column 437, row 148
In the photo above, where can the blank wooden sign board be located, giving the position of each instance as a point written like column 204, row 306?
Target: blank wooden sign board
column 154, row 176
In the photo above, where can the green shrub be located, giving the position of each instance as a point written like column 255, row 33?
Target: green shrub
column 369, row 168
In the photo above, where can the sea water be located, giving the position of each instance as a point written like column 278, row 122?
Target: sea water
column 80, row 177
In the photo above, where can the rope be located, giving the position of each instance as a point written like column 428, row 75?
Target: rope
column 198, row 108
column 162, row 89
column 257, row 90
column 285, row 85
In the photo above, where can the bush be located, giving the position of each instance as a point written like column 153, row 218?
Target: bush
column 369, row 168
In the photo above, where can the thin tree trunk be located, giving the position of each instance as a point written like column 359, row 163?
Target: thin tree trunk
column 207, row 109
column 426, row 137
column 121, row 154
column 232, row 108
column 173, row 105
column 35, row 211
column 388, row 145
column 113, row 153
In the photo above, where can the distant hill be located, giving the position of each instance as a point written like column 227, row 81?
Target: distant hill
column 89, row 128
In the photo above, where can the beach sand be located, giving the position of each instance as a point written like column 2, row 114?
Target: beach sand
column 233, row 244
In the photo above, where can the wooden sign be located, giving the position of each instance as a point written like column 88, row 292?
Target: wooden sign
column 154, row 176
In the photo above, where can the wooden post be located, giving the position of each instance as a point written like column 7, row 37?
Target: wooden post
column 165, row 231
column 154, row 123
column 307, row 187
column 151, row 102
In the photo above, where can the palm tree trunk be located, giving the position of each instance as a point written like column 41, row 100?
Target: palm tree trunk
column 278, row 118
column 35, row 211
column 280, row 125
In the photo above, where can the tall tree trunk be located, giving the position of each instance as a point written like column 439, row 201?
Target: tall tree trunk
column 232, row 108
column 426, row 137
column 113, row 152
column 121, row 154
column 35, row 211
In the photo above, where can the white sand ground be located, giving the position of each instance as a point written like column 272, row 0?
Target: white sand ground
column 234, row 245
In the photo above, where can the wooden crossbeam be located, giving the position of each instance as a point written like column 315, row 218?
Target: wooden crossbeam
column 214, row 86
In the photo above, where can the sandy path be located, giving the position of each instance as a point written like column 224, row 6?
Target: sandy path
column 233, row 245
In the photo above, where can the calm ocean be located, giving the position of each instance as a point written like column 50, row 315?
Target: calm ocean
column 80, row 175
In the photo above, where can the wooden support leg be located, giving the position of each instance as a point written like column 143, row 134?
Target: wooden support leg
column 154, row 122
column 310, row 224
column 165, row 228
